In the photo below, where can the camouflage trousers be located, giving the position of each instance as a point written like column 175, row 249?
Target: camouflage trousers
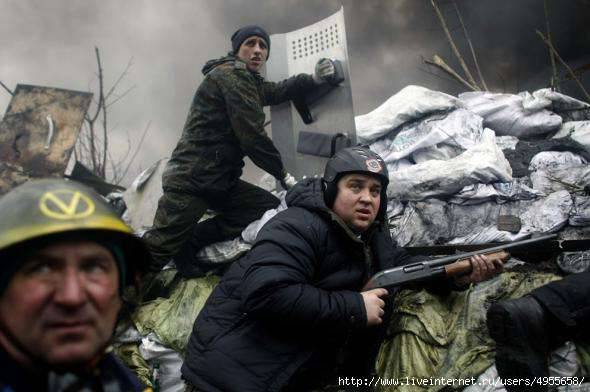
column 176, row 233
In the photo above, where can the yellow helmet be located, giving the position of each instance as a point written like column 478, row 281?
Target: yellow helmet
column 45, row 208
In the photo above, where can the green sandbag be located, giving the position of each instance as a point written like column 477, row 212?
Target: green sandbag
column 129, row 354
column 434, row 336
column 172, row 318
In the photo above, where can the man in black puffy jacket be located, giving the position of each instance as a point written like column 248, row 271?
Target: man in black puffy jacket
column 291, row 314
column 526, row 330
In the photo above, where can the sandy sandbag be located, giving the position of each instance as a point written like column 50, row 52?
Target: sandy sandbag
column 410, row 103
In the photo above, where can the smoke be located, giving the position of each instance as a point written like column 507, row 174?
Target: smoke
column 52, row 43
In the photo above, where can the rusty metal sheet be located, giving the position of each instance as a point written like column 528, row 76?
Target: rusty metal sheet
column 38, row 133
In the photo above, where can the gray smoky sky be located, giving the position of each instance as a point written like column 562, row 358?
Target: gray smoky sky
column 51, row 43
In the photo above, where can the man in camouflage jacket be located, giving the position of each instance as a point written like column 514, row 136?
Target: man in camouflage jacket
column 225, row 123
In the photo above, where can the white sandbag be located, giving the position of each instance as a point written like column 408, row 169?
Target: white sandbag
column 224, row 251
column 435, row 222
column 573, row 179
column 563, row 362
column 500, row 192
column 507, row 115
column 438, row 136
column 267, row 182
column 487, row 235
column 556, row 101
column 577, row 130
column 142, row 197
column 410, row 103
column 400, row 165
column 251, row 231
column 484, row 163
column 165, row 362
column 580, row 214
column 395, row 208
column 546, row 215
column 441, row 152
column 554, row 160
column 575, row 233
column 574, row 262
column 552, row 171
column 506, row 142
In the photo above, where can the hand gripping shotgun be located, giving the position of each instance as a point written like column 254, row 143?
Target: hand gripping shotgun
column 449, row 266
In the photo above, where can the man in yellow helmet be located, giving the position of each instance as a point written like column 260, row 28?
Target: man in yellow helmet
column 65, row 261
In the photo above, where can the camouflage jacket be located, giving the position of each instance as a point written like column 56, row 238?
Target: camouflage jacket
column 226, row 123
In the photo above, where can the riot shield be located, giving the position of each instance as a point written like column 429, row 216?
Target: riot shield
column 306, row 133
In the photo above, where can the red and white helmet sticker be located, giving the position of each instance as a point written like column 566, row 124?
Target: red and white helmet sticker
column 374, row 165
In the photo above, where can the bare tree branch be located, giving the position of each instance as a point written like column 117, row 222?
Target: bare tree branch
column 438, row 75
column 6, row 88
column 123, row 74
column 91, row 140
column 121, row 96
column 101, row 100
column 454, row 47
column 145, row 131
column 483, row 82
column 554, row 79
column 558, row 57
column 579, row 71
column 439, row 62
column 93, row 146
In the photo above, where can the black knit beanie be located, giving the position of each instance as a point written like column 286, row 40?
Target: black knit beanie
column 248, row 31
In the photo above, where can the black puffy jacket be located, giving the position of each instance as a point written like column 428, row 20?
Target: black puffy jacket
column 296, row 293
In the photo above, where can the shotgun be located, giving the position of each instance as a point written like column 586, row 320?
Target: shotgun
column 449, row 266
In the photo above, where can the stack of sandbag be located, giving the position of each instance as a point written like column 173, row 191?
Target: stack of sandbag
column 475, row 169
column 459, row 167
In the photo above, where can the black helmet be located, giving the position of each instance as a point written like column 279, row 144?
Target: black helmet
column 358, row 159
column 49, row 209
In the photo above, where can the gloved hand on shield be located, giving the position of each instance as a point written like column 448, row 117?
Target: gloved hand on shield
column 324, row 71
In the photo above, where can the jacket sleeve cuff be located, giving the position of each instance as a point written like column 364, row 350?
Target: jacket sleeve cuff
column 357, row 315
